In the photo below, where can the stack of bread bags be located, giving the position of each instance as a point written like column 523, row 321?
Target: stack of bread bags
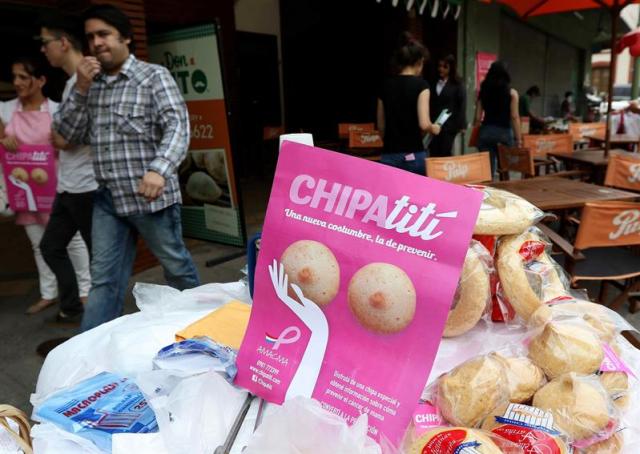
column 550, row 355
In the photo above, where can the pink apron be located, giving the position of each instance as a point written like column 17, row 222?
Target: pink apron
column 34, row 128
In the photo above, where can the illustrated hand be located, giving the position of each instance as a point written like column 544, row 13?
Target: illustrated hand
column 151, row 186
column 306, row 376
column 10, row 143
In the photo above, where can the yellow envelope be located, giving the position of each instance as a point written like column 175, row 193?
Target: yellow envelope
column 226, row 325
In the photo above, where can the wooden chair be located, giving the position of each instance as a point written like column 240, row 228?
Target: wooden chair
column 468, row 168
column 345, row 128
column 578, row 132
column 605, row 249
column 513, row 159
column 623, row 172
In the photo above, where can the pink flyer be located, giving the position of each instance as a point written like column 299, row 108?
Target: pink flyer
column 357, row 269
column 30, row 177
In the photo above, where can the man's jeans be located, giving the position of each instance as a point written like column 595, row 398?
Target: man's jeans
column 114, row 248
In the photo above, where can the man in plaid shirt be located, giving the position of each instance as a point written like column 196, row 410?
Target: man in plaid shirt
column 135, row 119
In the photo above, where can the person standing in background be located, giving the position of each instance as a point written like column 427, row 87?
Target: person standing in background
column 536, row 122
column 403, row 108
column 135, row 119
column 61, row 40
column 497, row 113
column 566, row 108
column 27, row 120
column 450, row 94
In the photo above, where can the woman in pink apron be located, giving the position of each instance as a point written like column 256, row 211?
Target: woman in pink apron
column 27, row 120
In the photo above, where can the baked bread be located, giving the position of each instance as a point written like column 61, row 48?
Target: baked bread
column 517, row 280
column 524, row 377
column 566, row 347
column 598, row 316
column 448, row 440
column 617, row 386
column 579, row 405
column 312, row 266
column 467, row 394
column 612, row 445
column 473, row 293
column 528, row 427
column 504, row 213
column 382, row 298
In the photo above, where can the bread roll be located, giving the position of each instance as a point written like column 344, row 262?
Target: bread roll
column 617, row 385
column 382, row 298
column 566, row 347
column 579, row 405
column 468, row 393
column 448, row 440
column 600, row 318
column 528, row 427
column 517, row 281
column 524, row 377
column 472, row 295
column 312, row 266
column 612, row 445
column 504, row 213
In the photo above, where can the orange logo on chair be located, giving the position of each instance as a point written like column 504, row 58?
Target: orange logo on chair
column 345, row 128
column 623, row 171
column 609, row 224
column 365, row 139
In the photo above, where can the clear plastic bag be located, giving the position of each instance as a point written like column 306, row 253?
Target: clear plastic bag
column 469, row 392
column 528, row 275
column 473, row 296
column 302, row 426
column 581, row 408
column 504, row 213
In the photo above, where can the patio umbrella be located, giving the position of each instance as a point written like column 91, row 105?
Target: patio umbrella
column 527, row 8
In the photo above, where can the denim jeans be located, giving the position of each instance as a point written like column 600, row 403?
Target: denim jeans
column 398, row 160
column 114, row 249
column 488, row 139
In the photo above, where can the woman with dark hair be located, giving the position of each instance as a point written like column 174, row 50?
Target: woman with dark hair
column 27, row 120
column 450, row 95
column 403, row 109
column 497, row 113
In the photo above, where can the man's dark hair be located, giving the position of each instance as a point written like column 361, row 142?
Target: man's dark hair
column 534, row 90
column 568, row 93
column 112, row 16
column 65, row 26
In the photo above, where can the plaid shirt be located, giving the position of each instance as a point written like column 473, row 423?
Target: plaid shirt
column 135, row 123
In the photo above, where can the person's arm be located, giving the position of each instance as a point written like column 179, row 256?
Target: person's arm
column 71, row 121
column 515, row 117
column 423, row 114
column 380, row 116
column 171, row 111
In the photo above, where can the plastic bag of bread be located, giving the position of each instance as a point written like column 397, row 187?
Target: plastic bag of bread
column 566, row 346
column 462, row 440
column 611, row 445
column 580, row 406
column 468, row 393
column 604, row 321
column 523, row 376
column 531, row 428
column 529, row 277
column 473, row 296
column 504, row 213
column 616, row 375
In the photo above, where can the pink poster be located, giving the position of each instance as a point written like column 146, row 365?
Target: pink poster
column 358, row 265
column 30, row 177
column 483, row 63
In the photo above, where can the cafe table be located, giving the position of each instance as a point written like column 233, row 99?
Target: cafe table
column 593, row 160
column 555, row 194
column 617, row 140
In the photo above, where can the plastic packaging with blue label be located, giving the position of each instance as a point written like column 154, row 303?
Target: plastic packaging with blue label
column 98, row 407
column 197, row 355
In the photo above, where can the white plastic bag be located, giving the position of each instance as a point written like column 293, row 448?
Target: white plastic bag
column 302, row 426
